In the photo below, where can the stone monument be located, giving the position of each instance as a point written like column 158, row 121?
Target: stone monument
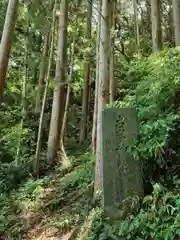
column 120, row 172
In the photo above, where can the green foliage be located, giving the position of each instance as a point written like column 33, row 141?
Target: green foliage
column 11, row 176
column 92, row 225
column 12, row 206
column 151, row 85
column 11, row 135
column 84, row 176
column 46, row 194
column 157, row 219
column 11, row 138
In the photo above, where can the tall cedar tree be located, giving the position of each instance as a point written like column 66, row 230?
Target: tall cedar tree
column 176, row 20
column 94, row 129
column 59, row 86
column 83, row 130
column 156, row 25
column 6, row 41
column 38, row 145
column 103, row 92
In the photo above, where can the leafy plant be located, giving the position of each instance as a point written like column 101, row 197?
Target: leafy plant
column 152, row 85
column 158, row 219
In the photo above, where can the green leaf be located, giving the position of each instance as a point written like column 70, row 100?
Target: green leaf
column 178, row 202
column 178, row 232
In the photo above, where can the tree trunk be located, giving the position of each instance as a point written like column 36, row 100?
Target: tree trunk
column 38, row 146
column 6, row 41
column 94, row 129
column 68, row 91
column 23, row 97
column 148, row 10
column 103, row 93
column 136, row 24
column 62, row 152
column 112, row 87
column 176, row 20
column 156, row 25
column 169, row 26
column 84, row 116
column 59, row 88
column 42, row 74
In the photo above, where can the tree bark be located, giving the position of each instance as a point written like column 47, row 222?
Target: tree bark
column 176, row 20
column 43, row 66
column 112, row 85
column 23, row 97
column 94, row 129
column 62, row 152
column 148, row 10
column 6, row 41
column 68, row 91
column 38, row 145
column 156, row 25
column 136, row 25
column 103, row 93
column 84, row 116
column 42, row 74
column 59, row 88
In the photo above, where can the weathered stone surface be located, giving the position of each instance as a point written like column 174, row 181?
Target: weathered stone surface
column 121, row 174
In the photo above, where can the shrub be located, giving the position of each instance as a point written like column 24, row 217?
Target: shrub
column 151, row 86
column 158, row 218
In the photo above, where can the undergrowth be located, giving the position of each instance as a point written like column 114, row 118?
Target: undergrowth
column 55, row 199
column 152, row 86
column 158, row 218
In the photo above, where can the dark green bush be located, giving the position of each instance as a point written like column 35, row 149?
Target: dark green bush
column 158, row 219
column 11, row 176
column 152, row 85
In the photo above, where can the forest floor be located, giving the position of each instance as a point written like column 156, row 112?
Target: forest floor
column 59, row 206
column 45, row 224
column 59, row 212
column 53, row 207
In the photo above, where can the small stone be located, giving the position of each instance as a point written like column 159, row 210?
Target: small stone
column 50, row 232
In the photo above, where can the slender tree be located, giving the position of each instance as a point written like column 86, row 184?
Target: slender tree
column 23, row 96
column 136, row 25
column 103, row 91
column 83, row 132
column 112, row 26
column 148, row 12
column 6, row 41
column 94, row 129
column 38, row 146
column 42, row 74
column 176, row 20
column 68, row 89
column 170, row 27
column 59, row 87
column 156, row 25
column 62, row 151
column 43, row 65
